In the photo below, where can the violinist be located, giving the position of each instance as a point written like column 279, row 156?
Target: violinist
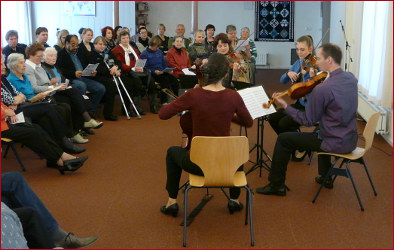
column 279, row 121
column 213, row 108
column 237, row 69
column 333, row 103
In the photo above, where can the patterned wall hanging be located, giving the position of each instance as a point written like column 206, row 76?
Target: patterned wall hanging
column 275, row 21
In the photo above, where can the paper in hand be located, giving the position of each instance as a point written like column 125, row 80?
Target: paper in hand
column 241, row 45
column 52, row 90
column 21, row 118
column 90, row 69
column 140, row 63
column 168, row 70
column 187, row 72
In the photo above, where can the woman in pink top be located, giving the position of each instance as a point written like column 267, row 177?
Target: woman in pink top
column 212, row 108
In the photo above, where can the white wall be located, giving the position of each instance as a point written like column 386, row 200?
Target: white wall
column 127, row 15
column 307, row 20
column 50, row 14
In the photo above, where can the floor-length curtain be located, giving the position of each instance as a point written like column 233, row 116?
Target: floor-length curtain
column 16, row 15
column 375, row 75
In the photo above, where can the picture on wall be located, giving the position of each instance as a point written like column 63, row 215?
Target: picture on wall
column 80, row 8
column 274, row 21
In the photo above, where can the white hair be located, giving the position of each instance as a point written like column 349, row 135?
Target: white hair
column 245, row 28
column 13, row 60
column 49, row 50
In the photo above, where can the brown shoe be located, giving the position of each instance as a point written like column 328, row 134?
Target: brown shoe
column 72, row 242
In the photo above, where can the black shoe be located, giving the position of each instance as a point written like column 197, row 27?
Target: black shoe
column 111, row 118
column 71, row 148
column 328, row 183
column 141, row 111
column 153, row 109
column 270, row 189
column 72, row 165
column 299, row 156
column 172, row 210
column 87, row 131
column 234, row 206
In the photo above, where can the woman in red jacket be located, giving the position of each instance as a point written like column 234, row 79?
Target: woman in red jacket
column 128, row 54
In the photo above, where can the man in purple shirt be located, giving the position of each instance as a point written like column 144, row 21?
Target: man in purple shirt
column 333, row 103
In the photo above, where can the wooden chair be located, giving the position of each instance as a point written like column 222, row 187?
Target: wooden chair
column 356, row 156
column 9, row 143
column 219, row 158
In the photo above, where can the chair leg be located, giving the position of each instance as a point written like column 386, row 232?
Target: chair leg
column 328, row 173
column 6, row 150
column 247, row 207
column 310, row 157
column 354, row 186
column 250, row 201
column 185, row 215
column 340, row 166
column 369, row 177
column 17, row 157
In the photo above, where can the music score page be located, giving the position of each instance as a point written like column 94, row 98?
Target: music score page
column 254, row 98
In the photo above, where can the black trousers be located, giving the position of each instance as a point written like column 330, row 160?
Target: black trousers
column 178, row 159
column 167, row 81
column 288, row 142
column 50, row 117
column 77, row 104
column 33, row 230
column 133, row 87
column 281, row 122
column 35, row 138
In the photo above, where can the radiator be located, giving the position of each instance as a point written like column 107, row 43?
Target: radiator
column 262, row 59
column 366, row 108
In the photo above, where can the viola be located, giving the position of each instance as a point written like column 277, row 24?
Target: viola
column 300, row 89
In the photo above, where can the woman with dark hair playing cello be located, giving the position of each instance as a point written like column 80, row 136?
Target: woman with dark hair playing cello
column 212, row 108
column 301, row 71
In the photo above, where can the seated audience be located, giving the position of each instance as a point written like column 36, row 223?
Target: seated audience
column 80, row 34
column 12, row 44
column 71, row 66
column 42, row 36
column 61, row 37
column 245, row 32
column 117, row 31
column 210, row 37
column 104, row 74
column 137, row 34
column 177, row 57
column 85, row 46
column 231, row 31
column 12, row 235
column 45, row 114
column 156, row 63
column 180, row 32
column 108, row 33
column 212, row 108
column 164, row 39
column 128, row 55
column 17, row 193
column 198, row 50
column 143, row 39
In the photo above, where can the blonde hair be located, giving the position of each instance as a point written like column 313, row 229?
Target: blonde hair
column 59, row 38
column 199, row 32
column 86, row 30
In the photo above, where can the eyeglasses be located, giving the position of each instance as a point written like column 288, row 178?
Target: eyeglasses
column 39, row 56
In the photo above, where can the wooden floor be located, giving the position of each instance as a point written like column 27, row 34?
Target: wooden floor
column 118, row 192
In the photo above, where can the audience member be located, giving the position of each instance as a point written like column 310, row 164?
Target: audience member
column 80, row 34
column 71, row 66
column 177, row 57
column 85, row 46
column 180, row 32
column 42, row 36
column 108, row 33
column 156, row 63
column 106, row 75
column 61, row 37
column 117, row 30
column 128, row 55
column 17, row 193
column 161, row 29
column 143, row 39
column 13, row 46
column 231, row 32
column 198, row 50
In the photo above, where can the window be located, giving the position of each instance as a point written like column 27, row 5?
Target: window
column 15, row 15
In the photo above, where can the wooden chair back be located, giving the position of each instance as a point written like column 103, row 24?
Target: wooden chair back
column 219, row 157
column 369, row 130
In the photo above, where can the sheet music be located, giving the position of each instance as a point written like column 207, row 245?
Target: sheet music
column 90, row 69
column 52, row 90
column 254, row 99
column 168, row 70
column 140, row 63
column 187, row 72
column 241, row 45
column 21, row 118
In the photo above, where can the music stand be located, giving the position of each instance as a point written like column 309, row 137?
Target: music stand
column 259, row 146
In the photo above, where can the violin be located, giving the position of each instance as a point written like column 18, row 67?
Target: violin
column 300, row 89
column 233, row 58
column 309, row 62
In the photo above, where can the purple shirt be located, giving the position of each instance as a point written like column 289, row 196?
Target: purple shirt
column 333, row 103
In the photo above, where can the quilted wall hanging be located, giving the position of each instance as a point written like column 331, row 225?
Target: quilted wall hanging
column 275, row 21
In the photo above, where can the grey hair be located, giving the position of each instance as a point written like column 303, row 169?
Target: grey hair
column 245, row 28
column 13, row 59
column 49, row 50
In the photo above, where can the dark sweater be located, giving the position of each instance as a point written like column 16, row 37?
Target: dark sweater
column 212, row 112
column 155, row 59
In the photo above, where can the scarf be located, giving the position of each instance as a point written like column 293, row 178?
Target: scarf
column 127, row 51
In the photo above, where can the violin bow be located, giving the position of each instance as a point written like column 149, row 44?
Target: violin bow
column 244, row 41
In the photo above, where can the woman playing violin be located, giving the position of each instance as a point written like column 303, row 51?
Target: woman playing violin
column 279, row 121
column 237, row 69
column 212, row 108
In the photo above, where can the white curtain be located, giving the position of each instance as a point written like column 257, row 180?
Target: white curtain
column 16, row 15
column 375, row 74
